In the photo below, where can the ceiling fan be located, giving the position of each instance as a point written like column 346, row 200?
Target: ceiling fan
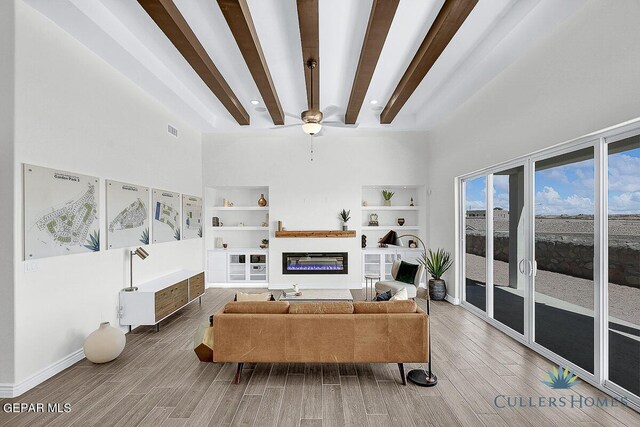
column 312, row 119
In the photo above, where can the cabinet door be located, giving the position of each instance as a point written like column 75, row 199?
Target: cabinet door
column 370, row 264
column 217, row 267
column 196, row 286
column 238, row 267
column 258, row 267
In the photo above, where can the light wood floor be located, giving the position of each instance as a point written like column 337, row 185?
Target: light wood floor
column 159, row 381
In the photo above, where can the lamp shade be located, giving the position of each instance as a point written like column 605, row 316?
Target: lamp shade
column 311, row 128
column 391, row 238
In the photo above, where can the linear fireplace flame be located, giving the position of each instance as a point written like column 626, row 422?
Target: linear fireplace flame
column 315, row 263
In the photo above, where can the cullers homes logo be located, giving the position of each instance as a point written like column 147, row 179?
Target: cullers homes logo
column 559, row 378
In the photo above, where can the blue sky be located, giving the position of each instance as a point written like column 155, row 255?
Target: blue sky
column 569, row 189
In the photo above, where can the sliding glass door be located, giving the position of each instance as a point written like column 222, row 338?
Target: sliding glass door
column 623, row 248
column 564, row 256
column 550, row 254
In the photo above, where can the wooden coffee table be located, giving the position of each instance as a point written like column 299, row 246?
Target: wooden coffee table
column 316, row 295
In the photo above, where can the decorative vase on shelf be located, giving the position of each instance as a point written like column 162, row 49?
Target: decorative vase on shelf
column 262, row 202
column 387, row 202
column 104, row 344
column 345, row 227
column 400, row 221
column 437, row 289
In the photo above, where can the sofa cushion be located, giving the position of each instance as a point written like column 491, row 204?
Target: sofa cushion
column 333, row 307
column 257, row 307
column 264, row 296
column 383, row 307
column 395, row 286
column 407, row 272
column 400, row 295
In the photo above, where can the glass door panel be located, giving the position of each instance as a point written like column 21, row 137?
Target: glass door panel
column 564, row 254
column 509, row 247
column 624, row 263
column 475, row 224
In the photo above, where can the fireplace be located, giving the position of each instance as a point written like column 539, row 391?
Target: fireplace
column 315, row 263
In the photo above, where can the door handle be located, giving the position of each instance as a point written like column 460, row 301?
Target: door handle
column 530, row 263
column 535, row 268
column 521, row 266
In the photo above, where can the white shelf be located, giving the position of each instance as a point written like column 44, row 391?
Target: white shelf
column 390, row 208
column 392, row 227
column 246, row 228
column 240, row 208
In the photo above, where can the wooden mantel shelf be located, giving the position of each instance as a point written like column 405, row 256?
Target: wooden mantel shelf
column 316, row 233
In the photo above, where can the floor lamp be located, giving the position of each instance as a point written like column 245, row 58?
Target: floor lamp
column 142, row 254
column 417, row 376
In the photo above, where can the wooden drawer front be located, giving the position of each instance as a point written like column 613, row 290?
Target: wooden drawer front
column 172, row 298
column 196, row 286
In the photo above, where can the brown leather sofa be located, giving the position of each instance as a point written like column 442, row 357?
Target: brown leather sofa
column 324, row 332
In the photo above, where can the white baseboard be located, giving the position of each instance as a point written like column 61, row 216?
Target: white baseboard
column 452, row 300
column 237, row 285
column 15, row 390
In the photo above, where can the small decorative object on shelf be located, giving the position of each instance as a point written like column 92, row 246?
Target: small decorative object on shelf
column 225, row 245
column 241, row 224
column 218, row 242
column 436, row 263
column 364, row 241
column 413, row 244
column 345, row 217
column 215, row 221
column 373, row 220
column 411, row 203
column 265, row 223
column 262, row 202
column 265, row 243
column 401, row 221
column 387, row 195
column 279, row 225
column 104, row 344
column 364, row 203
column 226, row 203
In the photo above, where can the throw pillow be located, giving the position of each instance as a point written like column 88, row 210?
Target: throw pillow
column 400, row 295
column 384, row 296
column 407, row 272
column 241, row 296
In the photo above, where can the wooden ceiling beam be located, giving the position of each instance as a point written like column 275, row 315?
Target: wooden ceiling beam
column 238, row 17
column 380, row 19
column 310, row 38
column 169, row 19
column 446, row 25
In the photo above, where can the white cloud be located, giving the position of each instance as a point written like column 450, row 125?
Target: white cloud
column 549, row 202
column 624, row 173
column 628, row 203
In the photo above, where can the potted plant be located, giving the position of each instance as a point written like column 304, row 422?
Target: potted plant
column 387, row 195
column 265, row 243
column 344, row 216
column 436, row 263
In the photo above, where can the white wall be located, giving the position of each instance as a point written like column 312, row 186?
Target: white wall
column 74, row 112
column 7, row 64
column 308, row 194
column 582, row 78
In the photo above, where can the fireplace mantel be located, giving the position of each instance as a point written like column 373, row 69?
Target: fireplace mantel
column 316, row 233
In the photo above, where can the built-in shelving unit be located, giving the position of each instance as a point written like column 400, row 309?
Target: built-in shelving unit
column 408, row 203
column 241, row 227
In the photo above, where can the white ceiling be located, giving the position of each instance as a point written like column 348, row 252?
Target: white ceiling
column 495, row 34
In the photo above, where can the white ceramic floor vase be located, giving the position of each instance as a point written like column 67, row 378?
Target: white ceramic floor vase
column 104, row 344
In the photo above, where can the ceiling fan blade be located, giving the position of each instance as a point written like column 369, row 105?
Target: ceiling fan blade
column 286, row 126
column 339, row 125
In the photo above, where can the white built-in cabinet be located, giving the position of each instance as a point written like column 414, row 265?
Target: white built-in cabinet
column 378, row 261
column 248, row 265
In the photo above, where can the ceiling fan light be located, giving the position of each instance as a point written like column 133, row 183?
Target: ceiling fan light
column 311, row 128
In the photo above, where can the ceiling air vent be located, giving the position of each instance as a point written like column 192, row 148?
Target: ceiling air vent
column 173, row 131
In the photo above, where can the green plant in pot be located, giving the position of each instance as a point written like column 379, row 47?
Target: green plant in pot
column 436, row 263
column 387, row 195
column 344, row 215
column 265, row 243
